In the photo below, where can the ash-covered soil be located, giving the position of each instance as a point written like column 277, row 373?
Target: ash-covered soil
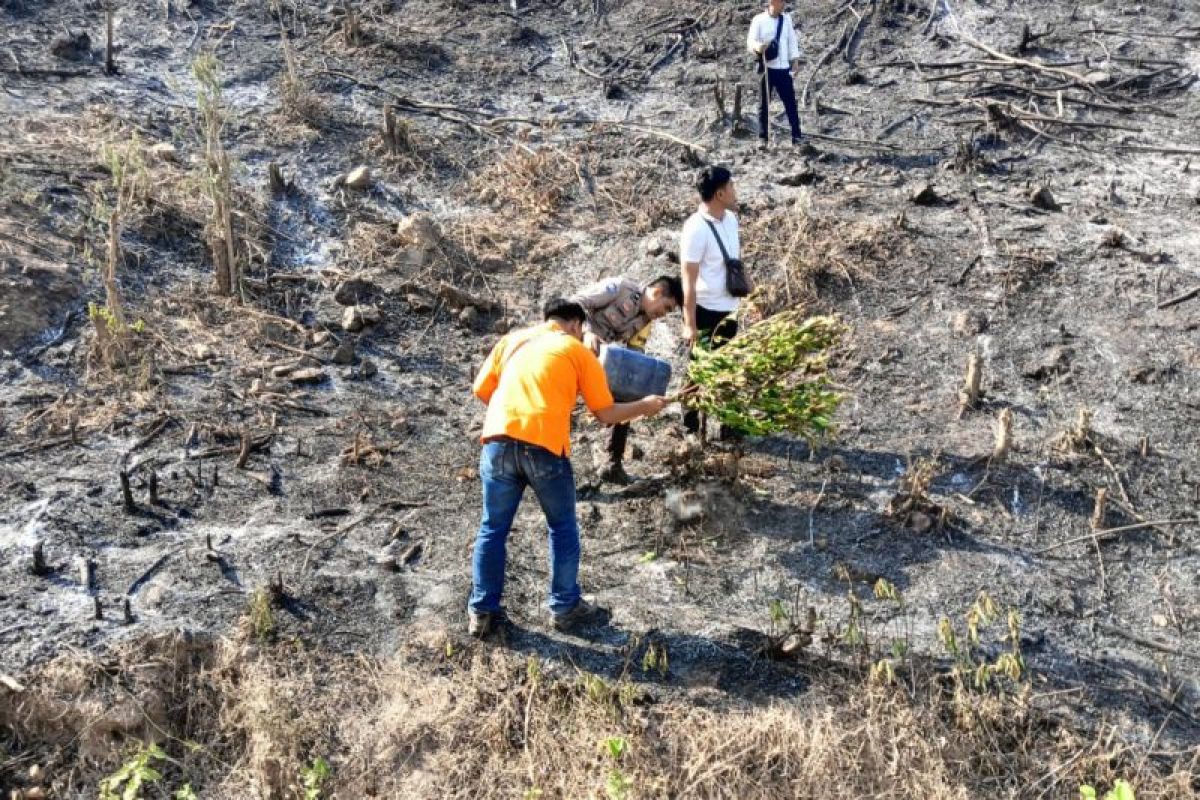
column 1027, row 198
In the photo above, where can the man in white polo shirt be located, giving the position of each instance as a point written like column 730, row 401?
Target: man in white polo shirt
column 772, row 39
column 708, row 307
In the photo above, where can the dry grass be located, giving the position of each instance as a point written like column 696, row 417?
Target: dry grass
column 492, row 243
column 792, row 249
column 643, row 195
column 438, row 721
column 618, row 184
column 530, row 184
column 379, row 249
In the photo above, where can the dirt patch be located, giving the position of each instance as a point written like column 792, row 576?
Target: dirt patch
column 34, row 298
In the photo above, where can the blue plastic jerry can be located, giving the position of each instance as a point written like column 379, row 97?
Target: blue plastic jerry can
column 633, row 375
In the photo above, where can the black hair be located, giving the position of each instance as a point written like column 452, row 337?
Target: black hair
column 672, row 286
column 711, row 179
column 564, row 310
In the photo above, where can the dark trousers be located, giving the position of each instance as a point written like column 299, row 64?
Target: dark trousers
column 715, row 329
column 779, row 81
column 618, row 437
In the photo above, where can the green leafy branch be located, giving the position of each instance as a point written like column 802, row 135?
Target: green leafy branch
column 772, row 378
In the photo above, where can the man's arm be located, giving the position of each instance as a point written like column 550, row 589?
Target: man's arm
column 691, row 251
column 752, row 42
column 690, row 274
column 793, row 55
column 489, row 374
column 623, row 412
column 593, row 385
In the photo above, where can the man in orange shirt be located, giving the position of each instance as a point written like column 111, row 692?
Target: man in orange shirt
column 530, row 383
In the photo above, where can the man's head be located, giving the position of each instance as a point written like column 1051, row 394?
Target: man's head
column 569, row 315
column 661, row 296
column 775, row 7
column 715, row 185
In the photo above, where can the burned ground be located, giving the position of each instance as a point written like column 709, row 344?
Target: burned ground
column 986, row 180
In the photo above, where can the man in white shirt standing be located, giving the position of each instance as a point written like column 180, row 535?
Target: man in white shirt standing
column 772, row 38
column 709, row 310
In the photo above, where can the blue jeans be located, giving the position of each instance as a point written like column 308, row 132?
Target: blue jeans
column 506, row 468
column 779, row 81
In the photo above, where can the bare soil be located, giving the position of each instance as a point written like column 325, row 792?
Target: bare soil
column 537, row 151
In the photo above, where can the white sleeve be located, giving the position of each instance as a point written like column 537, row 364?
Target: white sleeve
column 692, row 242
column 752, row 37
column 794, row 42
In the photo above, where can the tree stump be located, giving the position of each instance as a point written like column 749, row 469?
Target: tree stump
column 87, row 574
column 39, row 568
column 127, row 493
column 275, row 177
column 969, row 394
column 110, row 63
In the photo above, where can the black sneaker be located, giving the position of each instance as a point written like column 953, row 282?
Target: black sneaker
column 615, row 473
column 731, row 435
column 584, row 613
column 481, row 624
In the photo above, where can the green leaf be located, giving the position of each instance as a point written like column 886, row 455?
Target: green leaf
column 1121, row 790
column 616, row 747
column 1087, row 793
column 647, row 557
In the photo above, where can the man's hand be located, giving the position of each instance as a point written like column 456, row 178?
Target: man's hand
column 689, row 335
column 653, row 404
column 592, row 342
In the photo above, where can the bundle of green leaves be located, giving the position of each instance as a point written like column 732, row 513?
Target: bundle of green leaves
column 771, row 378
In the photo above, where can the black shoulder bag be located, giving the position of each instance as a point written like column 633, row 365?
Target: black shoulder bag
column 772, row 49
column 736, row 282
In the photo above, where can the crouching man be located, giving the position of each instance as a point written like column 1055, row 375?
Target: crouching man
column 621, row 311
column 530, row 382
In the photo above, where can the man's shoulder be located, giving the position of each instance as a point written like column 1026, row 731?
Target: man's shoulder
column 579, row 353
column 693, row 228
column 526, row 331
column 759, row 17
column 602, row 286
column 522, row 335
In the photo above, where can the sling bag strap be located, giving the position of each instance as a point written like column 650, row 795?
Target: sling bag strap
column 720, row 244
column 521, row 344
column 762, row 58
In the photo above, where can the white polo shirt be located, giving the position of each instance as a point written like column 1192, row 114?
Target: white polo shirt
column 762, row 29
column 697, row 244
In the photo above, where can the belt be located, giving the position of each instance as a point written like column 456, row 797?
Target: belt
column 501, row 439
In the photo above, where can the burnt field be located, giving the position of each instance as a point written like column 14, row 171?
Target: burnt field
column 248, row 275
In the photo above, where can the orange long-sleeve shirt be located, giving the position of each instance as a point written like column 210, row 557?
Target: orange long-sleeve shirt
column 530, row 382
